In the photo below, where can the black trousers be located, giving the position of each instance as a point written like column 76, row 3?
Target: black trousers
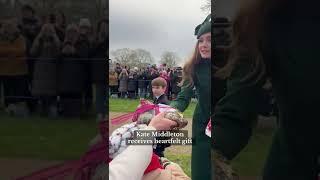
column 15, row 89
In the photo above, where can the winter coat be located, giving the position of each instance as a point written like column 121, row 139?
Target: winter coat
column 123, row 86
column 202, row 148
column 132, row 82
column 113, row 79
column 45, row 67
column 142, row 80
column 13, row 57
column 99, row 63
column 118, row 70
column 174, row 80
column 71, row 78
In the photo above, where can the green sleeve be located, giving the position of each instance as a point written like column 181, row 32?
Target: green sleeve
column 236, row 113
column 183, row 99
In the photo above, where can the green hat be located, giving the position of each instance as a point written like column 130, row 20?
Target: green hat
column 204, row 27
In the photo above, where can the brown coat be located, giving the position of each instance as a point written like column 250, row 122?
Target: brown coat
column 113, row 79
column 13, row 58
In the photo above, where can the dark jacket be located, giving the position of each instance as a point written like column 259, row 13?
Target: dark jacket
column 118, row 70
column 150, row 77
column 142, row 77
column 84, row 50
column 123, row 82
column 71, row 77
column 174, row 80
column 44, row 81
column 132, row 82
column 163, row 99
column 99, row 63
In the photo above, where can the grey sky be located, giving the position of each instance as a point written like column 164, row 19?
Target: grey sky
column 155, row 25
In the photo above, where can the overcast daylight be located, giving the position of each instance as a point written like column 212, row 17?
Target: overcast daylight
column 155, row 25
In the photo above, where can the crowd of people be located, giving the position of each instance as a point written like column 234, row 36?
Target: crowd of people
column 135, row 82
column 52, row 67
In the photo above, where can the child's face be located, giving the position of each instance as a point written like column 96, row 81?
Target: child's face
column 158, row 90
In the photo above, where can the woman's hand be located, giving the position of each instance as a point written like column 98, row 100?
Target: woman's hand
column 159, row 122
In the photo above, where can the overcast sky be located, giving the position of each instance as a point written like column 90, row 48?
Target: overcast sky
column 155, row 25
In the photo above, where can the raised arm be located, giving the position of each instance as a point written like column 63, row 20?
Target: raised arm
column 184, row 97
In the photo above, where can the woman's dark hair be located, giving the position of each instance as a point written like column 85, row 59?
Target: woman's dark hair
column 249, row 37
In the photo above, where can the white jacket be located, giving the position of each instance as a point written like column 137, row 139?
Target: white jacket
column 131, row 163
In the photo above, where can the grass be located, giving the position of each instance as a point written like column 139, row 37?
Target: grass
column 60, row 139
column 184, row 160
column 125, row 105
column 65, row 139
column 251, row 160
column 41, row 138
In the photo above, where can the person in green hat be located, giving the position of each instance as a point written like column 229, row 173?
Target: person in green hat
column 197, row 74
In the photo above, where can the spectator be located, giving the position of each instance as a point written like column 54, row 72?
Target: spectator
column 151, row 76
column 84, row 45
column 29, row 26
column 118, row 70
column 165, row 76
column 13, row 68
column 142, row 88
column 60, row 24
column 123, row 86
column 46, row 48
column 175, row 78
column 99, row 67
column 113, row 82
column 71, row 78
column 132, row 84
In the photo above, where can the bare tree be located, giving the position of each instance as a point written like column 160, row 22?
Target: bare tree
column 137, row 57
column 144, row 57
column 206, row 7
column 170, row 58
column 122, row 56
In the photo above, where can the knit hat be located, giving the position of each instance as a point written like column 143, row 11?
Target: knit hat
column 204, row 27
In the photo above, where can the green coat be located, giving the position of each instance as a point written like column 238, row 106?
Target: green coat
column 293, row 62
column 200, row 160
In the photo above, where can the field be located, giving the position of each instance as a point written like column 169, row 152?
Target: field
column 36, row 142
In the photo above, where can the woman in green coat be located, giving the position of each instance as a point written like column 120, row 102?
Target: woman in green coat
column 277, row 40
column 197, row 74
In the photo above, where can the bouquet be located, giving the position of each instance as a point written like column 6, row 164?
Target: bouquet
column 141, row 118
